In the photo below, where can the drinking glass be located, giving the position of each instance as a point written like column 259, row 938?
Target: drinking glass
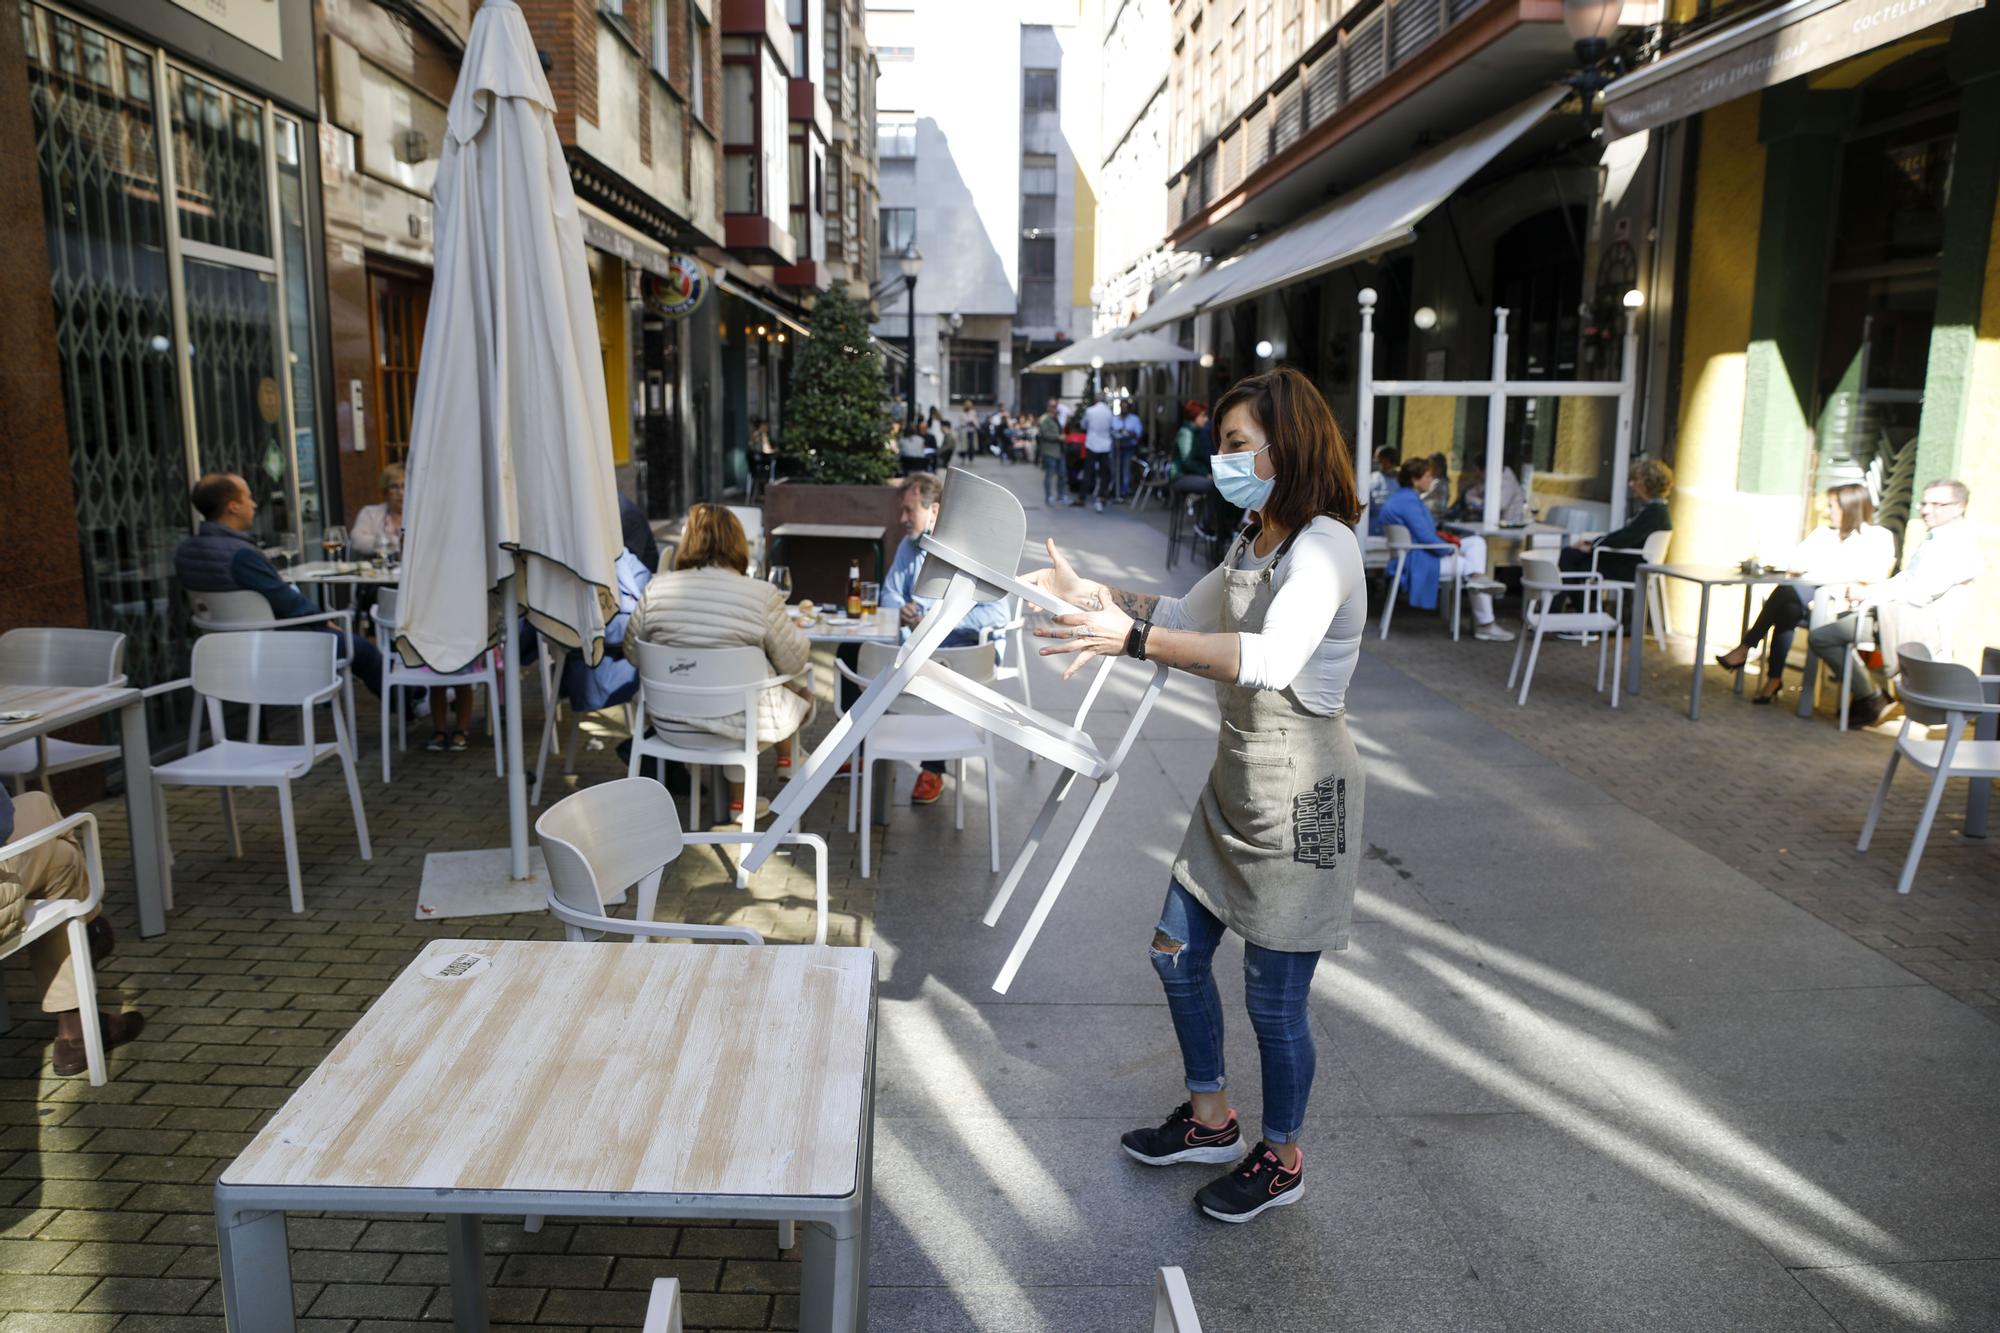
column 289, row 547
column 781, row 578
column 871, row 598
column 334, row 542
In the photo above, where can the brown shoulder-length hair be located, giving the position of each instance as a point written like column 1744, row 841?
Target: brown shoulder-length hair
column 1851, row 507
column 713, row 537
column 1309, row 455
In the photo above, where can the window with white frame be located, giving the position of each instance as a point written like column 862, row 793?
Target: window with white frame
column 659, row 35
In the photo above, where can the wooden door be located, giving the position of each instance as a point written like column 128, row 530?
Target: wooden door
column 398, row 304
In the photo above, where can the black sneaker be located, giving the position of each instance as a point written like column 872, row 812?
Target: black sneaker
column 1260, row 1181
column 1184, row 1139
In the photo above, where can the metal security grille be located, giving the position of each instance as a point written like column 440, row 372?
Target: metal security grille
column 96, row 142
column 219, row 166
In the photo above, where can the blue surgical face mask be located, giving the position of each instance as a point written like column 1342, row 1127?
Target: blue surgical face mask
column 1236, row 478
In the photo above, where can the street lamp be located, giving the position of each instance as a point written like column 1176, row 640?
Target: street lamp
column 1096, row 376
column 1591, row 25
column 911, row 263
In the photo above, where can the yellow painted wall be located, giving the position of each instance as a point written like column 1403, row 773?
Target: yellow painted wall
column 1714, row 523
column 1979, row 459
column 1429, row 426
column 1083, row 249
column 607, row 295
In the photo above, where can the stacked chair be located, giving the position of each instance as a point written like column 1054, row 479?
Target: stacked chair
column 972, row 556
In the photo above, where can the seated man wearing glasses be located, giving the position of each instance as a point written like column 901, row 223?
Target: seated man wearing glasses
column 1914, row 606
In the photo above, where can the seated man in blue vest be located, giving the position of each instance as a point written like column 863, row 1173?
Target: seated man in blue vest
column 222, row 557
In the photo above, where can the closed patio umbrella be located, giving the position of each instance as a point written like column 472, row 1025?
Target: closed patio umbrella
column 511, row 498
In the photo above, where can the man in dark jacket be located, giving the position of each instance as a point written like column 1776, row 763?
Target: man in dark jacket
column 221, row 557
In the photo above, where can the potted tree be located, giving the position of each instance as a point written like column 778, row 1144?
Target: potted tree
column 835, row 449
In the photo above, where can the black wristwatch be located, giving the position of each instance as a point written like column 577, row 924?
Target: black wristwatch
column 1135, row 639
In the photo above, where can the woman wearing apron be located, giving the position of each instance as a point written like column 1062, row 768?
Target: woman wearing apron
column 1274, row 845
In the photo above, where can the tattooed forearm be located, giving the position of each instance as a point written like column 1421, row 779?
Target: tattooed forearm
column 1138, row 605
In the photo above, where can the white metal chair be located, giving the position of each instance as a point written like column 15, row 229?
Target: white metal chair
column 248, row 612
column 1013, row 638
column 704, row 683
column 663, row 1307
column 1653, row 552
column 913, row 731
column 1400, row 543
column 45, row 916
column 1173, row 1304
column 971, row 556
column 752, row 519
column 80, row 657
column 1542, row 582
column 281, row 671
column 396, row 676
column 1934, row 694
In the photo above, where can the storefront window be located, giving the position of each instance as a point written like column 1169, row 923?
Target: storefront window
column 301, row 365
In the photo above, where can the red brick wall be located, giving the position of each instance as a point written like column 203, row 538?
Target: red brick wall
column 567, row 31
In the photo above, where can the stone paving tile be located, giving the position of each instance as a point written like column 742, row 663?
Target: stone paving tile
column 1779, row 798
column 105, row 1203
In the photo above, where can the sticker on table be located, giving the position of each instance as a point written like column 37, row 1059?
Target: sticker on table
column 455, row 966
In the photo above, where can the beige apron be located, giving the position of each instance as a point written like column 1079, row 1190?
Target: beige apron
column 1274, row 847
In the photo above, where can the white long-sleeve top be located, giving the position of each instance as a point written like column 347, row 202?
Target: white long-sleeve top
column 1311, row 637
column 1864, row 556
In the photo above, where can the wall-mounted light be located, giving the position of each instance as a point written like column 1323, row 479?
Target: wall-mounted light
column 781, row 335
column 1207, row 360
column 1425, row 318
column 1634, row 299
column 1264, row 349
column 1097, row 363
column 763, row 332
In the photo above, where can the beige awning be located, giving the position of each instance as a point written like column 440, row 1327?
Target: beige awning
column 1793, row 39
column 1361, row 223
column 1113, row 349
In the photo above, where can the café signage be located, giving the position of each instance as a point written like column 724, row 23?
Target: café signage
column 1727, row 66
column 253, row 21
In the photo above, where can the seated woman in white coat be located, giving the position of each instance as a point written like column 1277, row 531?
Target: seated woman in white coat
column 708, row 600
column 1838, row 558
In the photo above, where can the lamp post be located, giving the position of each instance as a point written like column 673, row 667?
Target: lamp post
column 911, row 263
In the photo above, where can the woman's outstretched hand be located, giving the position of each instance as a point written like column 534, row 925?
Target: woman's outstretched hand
column 1061, row 581
column 1086, row 634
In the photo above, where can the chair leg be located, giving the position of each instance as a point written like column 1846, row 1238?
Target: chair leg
column 493, row 707
column 992, row 807
column 291, row 845
column 1528, row 676
column 256, row 723
column 1881, row 795
column 853, row 793
column 388, row 707
column 1071, row 852
column 958, row 796
column 1057, row 795
column 1603, row 651
column 85, row 978
column 1846, row 684
column 229, row 821
column 349, row 764
column 1936, row 794
column 749, row 809
column 864, row 773
column 1520, row 648
column 542, row 755
column 694, row 791
column 1618, row 659
column 166, row 850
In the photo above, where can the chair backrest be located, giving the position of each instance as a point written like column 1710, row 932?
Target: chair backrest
column 974, row 661
column 606, row 838
column 276, row 669
column 697, row 682
column 1929, row 688
column 752, row 519
column 39, row 656
column 1656, row 546
column 1397, row 536
column 980, row 519
column 387, row 600
column 231, row 608
column 1540, row 573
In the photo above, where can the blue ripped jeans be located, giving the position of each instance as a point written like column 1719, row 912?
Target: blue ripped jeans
column 1275, row 987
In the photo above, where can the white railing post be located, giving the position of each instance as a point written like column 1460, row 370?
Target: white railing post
column 1496, row 420
column 1621, row 444
column 1364, row 405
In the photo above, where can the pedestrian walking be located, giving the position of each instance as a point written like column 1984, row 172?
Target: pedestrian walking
column 1127, row 430
column 1097, row 442
column 1049, row 452
column 1274, row 845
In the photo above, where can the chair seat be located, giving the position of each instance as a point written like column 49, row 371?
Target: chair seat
column 690, row 739
column 1011, row 721
column 1482, row 585
column 1564, row 622
column 19, row 758
column 919, row 736
column 239, row 763
column 1973, row 759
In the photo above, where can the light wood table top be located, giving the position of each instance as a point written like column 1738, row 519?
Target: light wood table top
column 58, row 705
column 882, row 627
column 597, row 1068
column 347, row 571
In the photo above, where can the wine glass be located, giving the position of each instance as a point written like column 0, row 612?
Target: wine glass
column 334, row 542
column 289, row 547
column 781, row 578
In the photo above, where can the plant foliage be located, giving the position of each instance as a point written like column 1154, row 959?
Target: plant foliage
column 837, row 424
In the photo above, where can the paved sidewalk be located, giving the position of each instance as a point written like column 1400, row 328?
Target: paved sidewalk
column 1581, row 1069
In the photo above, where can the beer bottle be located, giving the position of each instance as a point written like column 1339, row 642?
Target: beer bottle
column 854, row 589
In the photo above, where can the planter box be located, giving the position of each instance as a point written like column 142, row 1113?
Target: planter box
column 819, row 565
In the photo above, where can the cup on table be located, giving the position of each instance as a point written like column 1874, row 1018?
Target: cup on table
column 871, row 598
column 781, row 578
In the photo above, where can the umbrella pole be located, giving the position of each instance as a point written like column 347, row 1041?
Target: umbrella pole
column 517, row 777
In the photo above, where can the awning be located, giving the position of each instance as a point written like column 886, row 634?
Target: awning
column 603, row 232
column 736, row 287
column 1793, row 39
column 1117, row 348
column 889, row 350
column 1377, row 217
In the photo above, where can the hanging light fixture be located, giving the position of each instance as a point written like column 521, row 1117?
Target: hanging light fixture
column 1591, row 25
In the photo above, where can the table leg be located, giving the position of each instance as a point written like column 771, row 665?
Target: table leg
column 256, row 1266
column 1742, row 634
column 467, row 1250
column 834, row 1274
column 1638, row 631
column 1979, row 791
column 142, row 818
column 1700, row 656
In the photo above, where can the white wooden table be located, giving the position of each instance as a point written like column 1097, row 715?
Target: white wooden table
column 60, row 706
column 325, row 571
column 1708, row 578
column 882, row 627
column 517, row 1078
